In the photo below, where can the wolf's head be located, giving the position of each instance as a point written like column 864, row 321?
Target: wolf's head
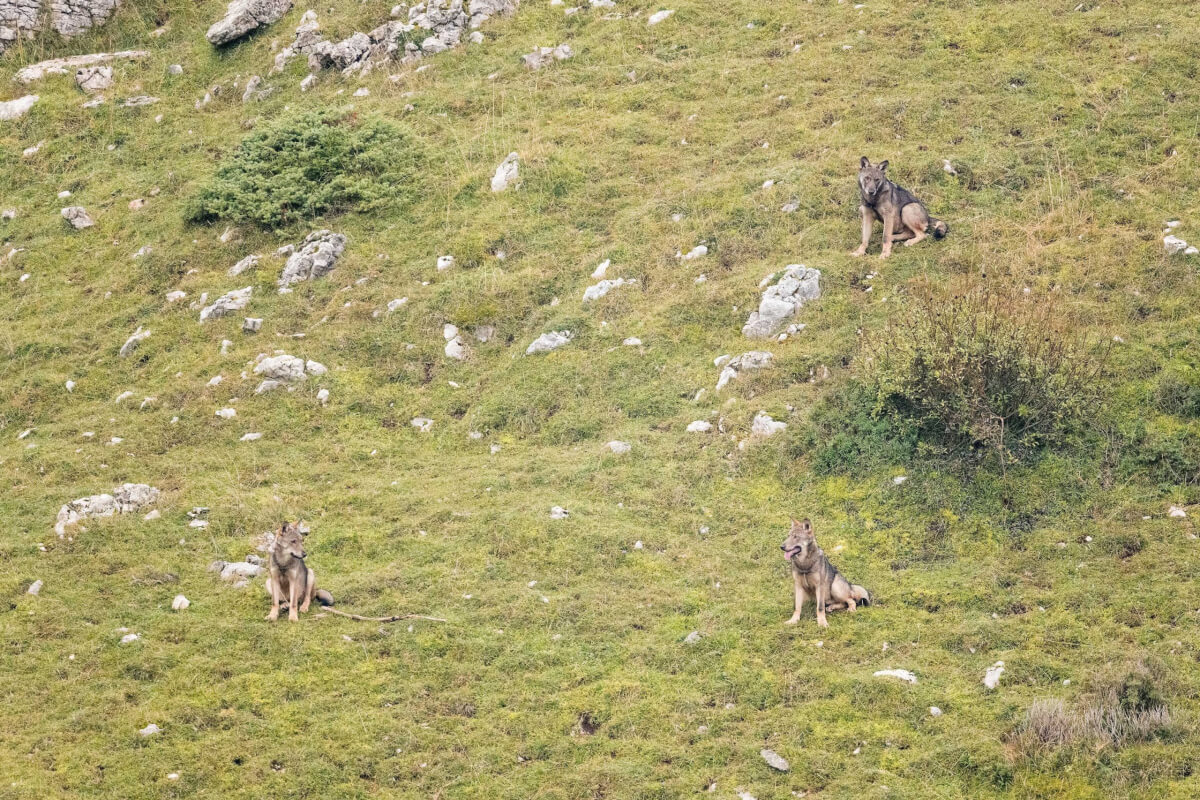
column 871, row 177
column 800, row 541
column 289, row 542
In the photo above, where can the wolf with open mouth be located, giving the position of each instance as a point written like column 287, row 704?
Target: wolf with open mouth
column 814, row 575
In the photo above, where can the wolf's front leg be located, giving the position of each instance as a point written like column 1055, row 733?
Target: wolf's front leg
column 274, row 590
column 799, row 599
column 821, row 607
column 310, row 589
column 293, row 602
column 867, row 224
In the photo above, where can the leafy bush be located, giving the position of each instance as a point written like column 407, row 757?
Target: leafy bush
column 983, row 368
column 308, row 165
column 845, row 433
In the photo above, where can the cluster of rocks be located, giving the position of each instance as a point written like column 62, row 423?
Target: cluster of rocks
column 543, row 56
column 432, row 27
column 125, row 499
column 1174, row 244
column 226, row 304
column 69, row 64
column 798, row 285
column 238, row 573
column 317, row 255
column 284, row 369
column 67, row 17
column 732, row 368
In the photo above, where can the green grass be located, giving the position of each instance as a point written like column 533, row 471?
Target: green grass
column 1074, row 134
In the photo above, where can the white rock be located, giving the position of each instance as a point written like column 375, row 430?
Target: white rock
column 598, row 273
column 252, row 324
column 799, row 285
column 244, row 16
column 602, row 288
column 558, row 512
column 175, row 296
column 543, row 56
column 632, row 341
column 315, row 368
column 362, row 92
column 549, row 341
column 619, row 447
column 422, row 424
column 126, row 498
column 774, row 760
column 659, row 16
column 123, row 396
column 399, row 301
column 317, row 255
column 507, row 173
column 94, row 79
column 763, row 426
column 753, row 360
column 699, row 426
column 991, row 678
column 15, row 109
column 1176, row 511
column 198, row 523
column 129, row 638
column 1174, row 244
column 226, row 413
column 133, row 341
column 34, row 588
column 283, row 367
column 323, row 396
column 247, row 263
column 696, row 252
column 1191, row 251
column 899, row 479
column 153, row 515
column 70, row 386
column 692, row 637
column 309, row 82
column 78, row 217
column 180, row 603
column 150, row 729
column 934, row 711
column 901, row 674
column 227, row 304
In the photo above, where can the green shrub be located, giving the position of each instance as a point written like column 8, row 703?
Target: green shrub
column 983, row 367
column 846, row 434
column 1178, row 393
column 309, row 165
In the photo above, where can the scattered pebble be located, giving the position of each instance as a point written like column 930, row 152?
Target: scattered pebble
column 180, row 603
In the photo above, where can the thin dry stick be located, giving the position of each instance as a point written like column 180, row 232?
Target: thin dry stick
column 396, row 618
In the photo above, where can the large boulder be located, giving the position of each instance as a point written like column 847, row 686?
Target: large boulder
column 244, row 16
column 781, row 301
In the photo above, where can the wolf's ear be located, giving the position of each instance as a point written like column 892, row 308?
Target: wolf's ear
column 883, row 166
column 284, row 526
column 865, row 162
column 806, row 524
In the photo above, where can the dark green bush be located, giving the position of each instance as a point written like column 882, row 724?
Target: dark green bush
column 1178, row 393
column 983, row 367
column 309, row 165
column 847, row 434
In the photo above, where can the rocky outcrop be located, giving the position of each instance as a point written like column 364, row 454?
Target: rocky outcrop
column 125, row 499
column 63, row 66
column 781, row 301
column 243, row 17
column 67, row 17
column 317, row 255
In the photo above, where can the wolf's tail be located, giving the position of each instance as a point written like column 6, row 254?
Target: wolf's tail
column 939, row 228
column 323, row 597
column 860, row 594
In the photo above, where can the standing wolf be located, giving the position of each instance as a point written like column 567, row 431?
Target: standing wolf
column 813, row 575
column 903, row 216
column 290, row 580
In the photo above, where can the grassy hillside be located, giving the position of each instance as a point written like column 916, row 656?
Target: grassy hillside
column 1073, row 129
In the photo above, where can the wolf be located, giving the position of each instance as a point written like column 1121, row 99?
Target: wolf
column 291, row 582
column 813, row 575
column 904, row 217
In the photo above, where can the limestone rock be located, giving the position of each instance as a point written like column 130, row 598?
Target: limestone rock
column 549, row 341
column 244, row 16
column 763, row 426
column 991, row 678
column 247, row 263
column 618, row 448
column 699, row 426
column 774, row 760
column 61, row 66
column 126, row 498
column 900, row 674
column 753, row 360
column 94, row 79
column 78, row 217
column 507, row 173
column 317, row 255
column 131, row 344
column 595, row 292
column 180, row 603
column 547, row 55
column 798, row 286
column 227, row 304
column 283, row 368
column 659, row 16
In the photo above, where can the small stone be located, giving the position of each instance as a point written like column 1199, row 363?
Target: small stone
column 34, row 588
column 129, row 638
column 226, row 413
column 153, row 515
column 250, row 437
column 1176, row 511
column 699, row 426
column 901, row 674
column 445, row 263
column 991, row 678
column 774, row 760
column 659, row 16
column 78, row 217
column 180, row 603
column 1173, row 244
column 252, row 324
column 696, row 252
column 397, row 303
column 619, row 448
column 558, row 512
column 692, row 638
column 549, row 341
column 323, row 397
column 632, row 341
column 422, row 424
column 150, row 729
